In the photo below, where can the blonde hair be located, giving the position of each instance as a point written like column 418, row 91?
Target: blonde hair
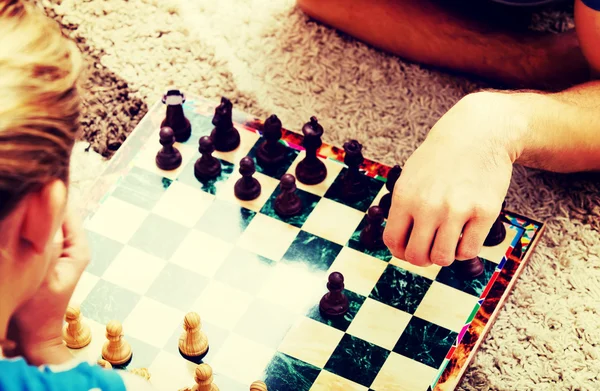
column 39, row 101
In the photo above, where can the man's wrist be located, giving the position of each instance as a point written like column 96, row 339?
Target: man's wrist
column 49, row 353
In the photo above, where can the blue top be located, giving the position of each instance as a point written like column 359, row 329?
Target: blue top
column 593, row 4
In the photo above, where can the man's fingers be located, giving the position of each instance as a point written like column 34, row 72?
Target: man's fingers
column 397, row 231
column 446, row 241
column 474, row 235
column 420, row 242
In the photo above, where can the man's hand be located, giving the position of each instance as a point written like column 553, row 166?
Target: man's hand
column 37, row 324
column 452, row 188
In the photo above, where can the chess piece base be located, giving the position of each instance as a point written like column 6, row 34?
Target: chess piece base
column 471, row 268
column 227, row 141
column 82, row 340
column 368, row 243
column 182, row 134
column 247, row 192
column 333, row 309
column 195, row 359
column 496, row 235
column 291, row 209
column 168, row 162
column 119, row 360
column 270, row 158
column 311, row 173
column 204, row 172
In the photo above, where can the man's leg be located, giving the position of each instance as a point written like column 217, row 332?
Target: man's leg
column 425, row 32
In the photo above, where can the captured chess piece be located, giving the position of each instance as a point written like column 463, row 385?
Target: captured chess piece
column 258, row 386
column 247, row 188
column 225, row 136
column 471, row 268
column 288, row 203
column 371, row 237
column 175, row 117
column 203, row 376
column 104, row 364
column 271, row 152
column 193, row 342
column 334, row 303
column 169, row 157
column 311, row 170
column 141, row 372
column 497, row 233
column 353, row 182
column 75, row 334
column 116, row 350
column 207, row 166
column 386, row 201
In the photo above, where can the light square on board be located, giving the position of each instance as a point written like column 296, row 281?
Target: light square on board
column 268, row 237
column 245, row 270
column 333, row 169
column 268, row 185
column 379, row 324
column 327, row 381
column 183, row 204
column 430, row 271
column 158, row 236
column 103, row 252
column 496, row 253
column 400, row 373
column 83, row 288
column 222, row 305
column 333, row 221
column 446, row 306
column 242, row 359
column 134, row 269
column 311, row 341
column 201, row 253
column 117, row 220
column 107, row 301
column 152, row 322
column 146, row 157
column 225, row 220
column 361, row 271
column 92, row 352
column 177, row 287
column 370, row 186
column 247, row 141
column 171, row 372
column 141, row 188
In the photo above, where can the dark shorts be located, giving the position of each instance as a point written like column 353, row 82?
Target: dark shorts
column 593, row 4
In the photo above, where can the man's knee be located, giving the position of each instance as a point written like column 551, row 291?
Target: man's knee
column 317, row 8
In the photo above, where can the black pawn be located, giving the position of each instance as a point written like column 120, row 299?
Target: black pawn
column 225, row 136
column 175, row 117
column 386, row 201
column 371, row 237
column 247, row 188
column 311, row 170
column 468, row 269
column 497, row 233
column 168, row 158
column 288, row 203
column 353, row 181
column 334, row 303
column 207, row 166
column 271, row 152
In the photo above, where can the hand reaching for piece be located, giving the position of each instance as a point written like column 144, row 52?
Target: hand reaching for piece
column 452, row 188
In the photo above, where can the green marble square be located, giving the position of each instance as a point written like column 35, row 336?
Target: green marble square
column 285, row 373
column 225, row 220
column 425, row 342
column 141, row 188
column 201, row 126
column 103, row 252
column 210, row 186
column 177, row 287
column 108, row 301
column 400, row 289
column 315, row 252
column 474, row 286
column 278, row 170
column 382, row 253
column 372, row 185
column 343, row 322
column 158, row 236
column 357, row 360
column 309, row 201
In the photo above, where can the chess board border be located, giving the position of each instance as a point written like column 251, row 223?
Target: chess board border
column 491, row 300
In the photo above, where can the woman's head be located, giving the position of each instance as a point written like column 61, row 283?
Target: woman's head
column 39, row 121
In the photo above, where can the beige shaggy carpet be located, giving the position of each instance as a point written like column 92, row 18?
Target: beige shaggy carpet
column 270, row 58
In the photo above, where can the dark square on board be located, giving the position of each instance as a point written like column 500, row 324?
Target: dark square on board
column 141, row 188
column 245, row 270
column 382, row 253
column 225, row 220
column 372, row 185
column 473, row 286
column 285, row 373
column 315, row 252
column 210, row 186
column 158, row 236
column 278, row 170
column 400, row 289
column 177, row 287
column 309, row 201
column 108, row 301
column 103, row 252
column 343, row 322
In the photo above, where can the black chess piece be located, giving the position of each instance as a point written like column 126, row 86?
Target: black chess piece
column 271, row 152
column 468, row 269
column 386, row 201
column 169, row 157
column 175, row 117
column 288, row 203
column 225, row 136
column 311, row 170
column 207, row 166
column 247, row 188
column 334, row 303
column 353, row 181
column 371, row 237
column 497, row 233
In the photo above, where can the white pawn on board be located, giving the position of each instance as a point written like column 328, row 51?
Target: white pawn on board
column 204, row 379
column 116, row 350
column 75, row 333
column 193, row 342
column 258, row 386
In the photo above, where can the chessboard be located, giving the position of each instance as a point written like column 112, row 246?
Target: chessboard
column 267, row 242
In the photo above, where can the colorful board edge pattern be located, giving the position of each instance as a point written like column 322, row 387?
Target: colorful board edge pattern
column 466, row 342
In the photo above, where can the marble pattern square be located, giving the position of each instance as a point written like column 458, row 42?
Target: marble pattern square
column 183, row 204
column 311, row 341
column 327, row 381
column 222, row 305
column 379, row 324
column 134, row 269
column 247, row 140
column 333, row 169
column 309, row 201
column 211, row 186
column 146, row 157
column 152, row 322
column 473, row 286
column 430, row 271
column 372, row 186
column 400, row 289
column 314, row 252
column 107, row 301
column 446, row 306
column 285, row 373
column 143, row 353
column 158, row 236
column 333, row 221
column 393, row 375
column 361, row 271
column 117, row 220
column 225, row 220
column 245, row 270
column 177, row 287
column 267, row 184
column 201, row 253
column 341, row 323
column 268, row 237
column 84, row 286
column 103, row 252
column 278, row 170
column 141, row 188
column 382, row 253
column 265, row 323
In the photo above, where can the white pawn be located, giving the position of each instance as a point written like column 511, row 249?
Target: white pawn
column 258, row 386
column 116, row 350
column 204, row 379
column 75, row 334
column 193, row 342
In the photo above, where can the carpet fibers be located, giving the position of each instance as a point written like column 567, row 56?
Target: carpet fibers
column 268, row 57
